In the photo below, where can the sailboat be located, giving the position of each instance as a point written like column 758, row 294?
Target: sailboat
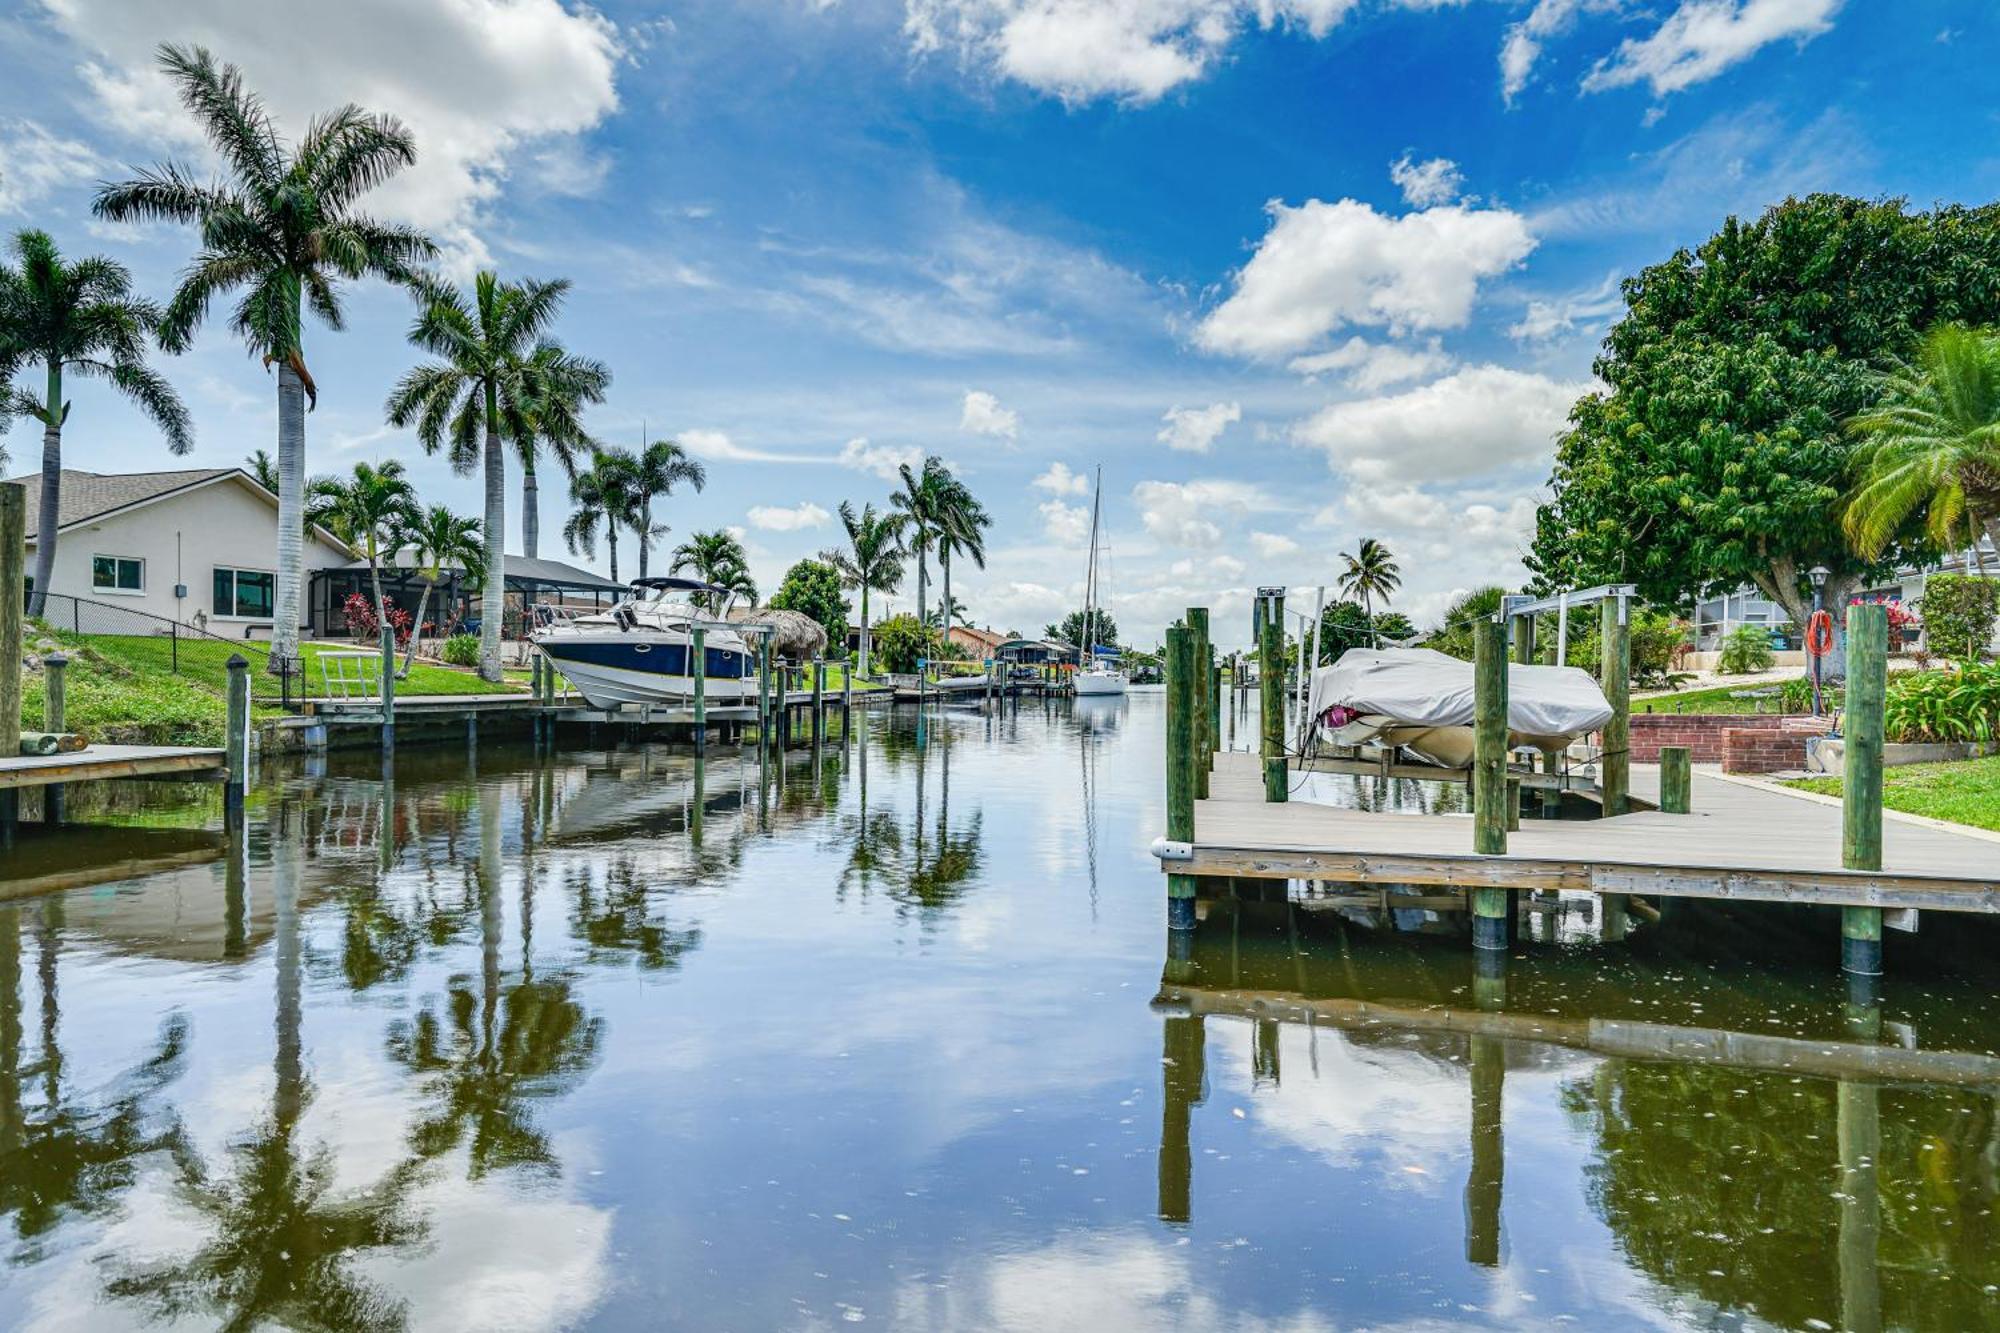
column 1095, row 675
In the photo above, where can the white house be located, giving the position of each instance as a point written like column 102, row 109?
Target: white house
column 197, row 546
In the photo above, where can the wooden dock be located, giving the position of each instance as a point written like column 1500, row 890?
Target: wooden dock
column 1741, row 842
column 173, row 762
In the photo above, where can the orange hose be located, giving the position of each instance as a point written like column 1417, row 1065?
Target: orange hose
column 1819, row 634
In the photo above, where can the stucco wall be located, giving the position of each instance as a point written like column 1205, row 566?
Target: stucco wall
column 182, row 539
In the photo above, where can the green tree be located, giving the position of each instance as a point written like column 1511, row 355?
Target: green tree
column 1958, row 614
column 717, row 558
column 812, row 587
column 263, row 469
column 1453, row 634
column 962, row 524
column 283, row 224
column 873, row 560
column 1371, row 572
column 922, row 503
column 496, row 363
column 76, row 319
column 1718, row 455
column 372, row 510
column 550, row 419
column 657, row 469
column 1394, row 625
column 901, row 640
column 1343, row 625
column 1930, row 446
column 1070, row 631
column 440, row 539
column 602, row 495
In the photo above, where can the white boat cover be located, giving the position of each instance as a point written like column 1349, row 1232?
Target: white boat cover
column 1422, row 699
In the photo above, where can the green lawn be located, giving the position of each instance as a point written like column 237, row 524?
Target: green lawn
column 1963, row 792
column 1755, row 698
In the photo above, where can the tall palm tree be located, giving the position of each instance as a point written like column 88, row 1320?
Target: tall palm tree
column 496, row 365
column 718, row 558
column 79, row 319
column 921, row 504
column 1371, row 572
column 1930, row 446
column 283, row 225
column 263, row 469
column 962, row 524
column 872, row 561
column 439, row 539
column 550, row 420
column 371, row 510
column 601, row 495
column 656, row 470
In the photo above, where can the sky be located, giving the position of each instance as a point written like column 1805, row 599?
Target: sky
column 1290, row 272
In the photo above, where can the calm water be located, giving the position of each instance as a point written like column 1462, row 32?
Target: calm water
column 592, row 1042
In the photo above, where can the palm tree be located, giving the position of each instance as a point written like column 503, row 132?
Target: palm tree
column 656, row 469
column 1371, row 572
column 373, row 510
column 263, row 469
column 872, row 561
column 716, row 558
column 549, row 417
column 1931, row 445
column 950, row 611
column 80, row 319
column 498, row 368
column 439, row 538
column 962, row 522
column 284, row 226
column 922, row 502
column 601, row 495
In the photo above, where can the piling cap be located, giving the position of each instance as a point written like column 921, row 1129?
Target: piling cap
column 56, row 659
column 237, row 662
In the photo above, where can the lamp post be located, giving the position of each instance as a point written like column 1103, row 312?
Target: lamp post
column 1817, row 574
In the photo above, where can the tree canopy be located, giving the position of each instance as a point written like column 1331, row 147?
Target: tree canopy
column 812, row 587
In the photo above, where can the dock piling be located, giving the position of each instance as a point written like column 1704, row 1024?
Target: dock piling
column 1615, row 766
column 237, row 743
column 698, row 648
column 1181, row 721
column 764, row 692
column 1861, row 785
column 1204, row 720
column 13, row 577
column 1676, row 780
column 388, row 684
column 819, row 700
column 1490, row 907
column 53, row 667
column 1271, row 686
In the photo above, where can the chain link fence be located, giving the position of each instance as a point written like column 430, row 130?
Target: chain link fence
column 143, row 642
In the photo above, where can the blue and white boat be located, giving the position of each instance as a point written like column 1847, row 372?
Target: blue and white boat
column 639, row 651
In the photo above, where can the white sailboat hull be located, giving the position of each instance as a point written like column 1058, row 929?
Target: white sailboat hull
column 1089, row 683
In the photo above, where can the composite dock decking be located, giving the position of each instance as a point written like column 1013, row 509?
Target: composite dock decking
column 113, row 761
column 1741, row 842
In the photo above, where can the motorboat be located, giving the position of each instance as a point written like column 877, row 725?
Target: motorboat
column 1097, row 672
column 638, row 652
column 1420, row 701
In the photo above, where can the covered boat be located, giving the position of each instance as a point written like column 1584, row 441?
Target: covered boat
column 1420, row 700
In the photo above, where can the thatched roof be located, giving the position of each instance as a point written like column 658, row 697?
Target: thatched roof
column 794, row 634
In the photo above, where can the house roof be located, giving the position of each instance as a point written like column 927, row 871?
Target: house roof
column 520, row 570
column 87, row 497
column 988, row 637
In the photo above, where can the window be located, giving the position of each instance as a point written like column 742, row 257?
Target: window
column 117, row 573
column 249, row 593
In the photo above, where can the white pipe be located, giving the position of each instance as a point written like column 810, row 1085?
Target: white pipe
column 1562, row 631
column 1308, row 660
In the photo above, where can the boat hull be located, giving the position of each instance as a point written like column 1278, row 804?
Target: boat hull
column 1089, row 685
column 637, row 670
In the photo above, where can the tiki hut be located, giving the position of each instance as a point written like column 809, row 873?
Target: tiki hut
column 795, row 636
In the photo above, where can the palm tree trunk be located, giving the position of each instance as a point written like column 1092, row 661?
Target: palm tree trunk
column 291, row 518
column 944, row 615
column 922, row 587
column 493, row 590
column 50, row 512
column 531, row 511
column 645, row 537
column 862, row 669
column 611, row 539
column 416, row 631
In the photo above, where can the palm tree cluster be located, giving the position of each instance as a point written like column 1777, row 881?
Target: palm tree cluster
column 619, row 488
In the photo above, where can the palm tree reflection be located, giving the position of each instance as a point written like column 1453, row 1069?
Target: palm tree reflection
column 931, row 865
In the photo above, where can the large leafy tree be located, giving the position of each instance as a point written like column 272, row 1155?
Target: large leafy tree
column 812, row 588
column 1717, row 455
column 657, row 469
column 871, row 561
column 282, row 226
column 1071, row 629
column 718, row 558
column 76, row 319
column 496, row 371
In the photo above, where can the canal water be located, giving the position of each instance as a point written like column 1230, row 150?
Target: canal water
column 892, row 1035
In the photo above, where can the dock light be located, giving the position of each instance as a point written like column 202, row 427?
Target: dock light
column 1818, row 575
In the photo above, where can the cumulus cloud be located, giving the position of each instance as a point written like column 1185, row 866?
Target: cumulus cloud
column 1521, row 48
column 1060, row 481
column 1372, row 366
column 1272, row 545
column 1703, row 38
column 1472, row 421
column 883, row 460
column 1192, row 430
column 1322, row 266
column 1064, row 524
column 777, row 518
column 1427, row 184
column 983, row 415
column 33, row 162
column 478, row 82
column 1191, row 514
column 715, row 444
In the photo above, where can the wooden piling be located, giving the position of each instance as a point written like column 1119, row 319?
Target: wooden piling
column 1204, row 721
column 1214, row 709
column 1614, row 776
column 819, row 700
column 763, row 691
column 237, row 743
column 1513, row 805
column 388, row 691
column 698, row 669
column 1271, row 669
column 1489, row 775
column 1522, row 634
column 1181, row 721
column 1676, row 780
column 54, row 667
column 846, row 700
column 1861, row 784
column 1552, row 797
column 13, row 585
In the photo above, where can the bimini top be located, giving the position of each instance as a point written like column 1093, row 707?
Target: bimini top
column 667, row 583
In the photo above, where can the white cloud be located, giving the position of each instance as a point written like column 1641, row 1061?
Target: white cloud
column 883, row 460
column 717, row 445
column 1590, row 308
column 1373, row 366
column 1272, row 545
column 476, row 81
column 1064, row 525
column 776, row 518
column 1427, row 184
column 983, row 415
column 1191, row 514
column 1522, row 46
column 1060, row 481
column 1322, row 266
column 1473, row 421
column 1703, row 38
column 1191, row 430
column 33, row 162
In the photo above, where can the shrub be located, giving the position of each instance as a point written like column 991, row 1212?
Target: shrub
column 1961, row 705
column 1959, row 612
column 1796, row 695
column 461, row 650
column 1658, row 640
column 899, row 641
column 359, row 609
column 1747, row 650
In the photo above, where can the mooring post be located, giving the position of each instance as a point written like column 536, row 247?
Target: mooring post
column 52, row 720
column 387, row 633
column 846, row 701
column 1861, row 782
column 698, row 648
column 1271, row 674
column 764, row 692
column 819, row 700
column 1522, row 633
column 1214, row 674
column 1513, row 804
column 237, row 742
column 1676, row 780
column 13, row 581
column 1490, row 907
column 1180, row 768
column 1614, row 769
column 1552, row 797
column 1204, row 721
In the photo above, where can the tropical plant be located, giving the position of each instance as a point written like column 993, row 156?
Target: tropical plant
column 1454, row 633
column 371, row 510
column 1934, row 706
column 461, row 650
column 1654, row 638
column 1930, row 445
column 921, row 505
column 1371, row 572
column 263, row 469
column 873, row 560
column 601, row 496
column 717, row 558
column 440, row 539
column 496, row 364
column 812, row 587
column 948, row 612
column 961, row 529
column 76, row 319
column 283, row 224
column 656, row 470
column 1959, row 612
column 901, row 642
column 365, row 620
column 1104, row 630
column 551, row 405
column 1746, row 650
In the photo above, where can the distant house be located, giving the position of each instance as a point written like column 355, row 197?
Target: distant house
column 979, row 644
column 455, row 601
column 1034, row 652
column 197, row 546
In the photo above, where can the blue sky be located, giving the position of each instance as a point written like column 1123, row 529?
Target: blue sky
column 1292, row 271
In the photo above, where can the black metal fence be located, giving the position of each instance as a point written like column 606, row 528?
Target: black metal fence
column 144, row 643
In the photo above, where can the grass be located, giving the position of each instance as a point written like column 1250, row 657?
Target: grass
column 1962, row 792
column 1716, row 699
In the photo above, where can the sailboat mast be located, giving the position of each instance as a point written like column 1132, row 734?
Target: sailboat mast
column 1084, row 646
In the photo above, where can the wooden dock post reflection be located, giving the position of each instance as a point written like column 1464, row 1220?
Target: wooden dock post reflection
column 1183, row 1074
column 1486, row 1176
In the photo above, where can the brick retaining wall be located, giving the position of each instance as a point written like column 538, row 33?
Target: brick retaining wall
column 1740, row 742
